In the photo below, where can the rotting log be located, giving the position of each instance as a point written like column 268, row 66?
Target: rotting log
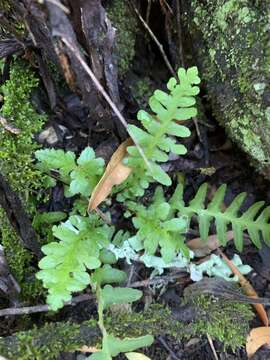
column 231, row 42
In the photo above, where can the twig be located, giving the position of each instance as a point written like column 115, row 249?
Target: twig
column 179, row 32
column 43, row 308
column 103, row 216
column 8, row 126
column 101, row 89
column 212, row 346
column 57, row 3
column 155, row 281
column 148, row 11
column 153, row 36
column 163, row 342
column 80, row 298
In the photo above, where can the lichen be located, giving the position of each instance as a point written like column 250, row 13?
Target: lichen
column 235, row 67
column 125, row 22
column 16, row 164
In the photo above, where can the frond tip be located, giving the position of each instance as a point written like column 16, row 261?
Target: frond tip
column 255, row 221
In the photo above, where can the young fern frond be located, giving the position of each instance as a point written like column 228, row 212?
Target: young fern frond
column 157, row 227
column 64, row 268
column 255, row 222
column 156, row 137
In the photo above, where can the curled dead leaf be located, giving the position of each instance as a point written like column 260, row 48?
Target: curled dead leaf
column 201, row 248
column 116, row 173
column 256, row 338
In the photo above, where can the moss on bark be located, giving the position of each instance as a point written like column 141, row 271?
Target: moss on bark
column 226, row 321
column 231, row 40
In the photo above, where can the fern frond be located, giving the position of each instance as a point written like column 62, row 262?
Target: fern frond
column 255, row 221
column 157, row 227
column 82, row 175
column 64, row 268
column 156, row 136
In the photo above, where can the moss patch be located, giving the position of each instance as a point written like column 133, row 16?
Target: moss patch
column 235, row 65
column 125, row 22
column 16, row 164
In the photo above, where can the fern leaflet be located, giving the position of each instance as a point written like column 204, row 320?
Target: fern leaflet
column 158, row 128
column 255, row 222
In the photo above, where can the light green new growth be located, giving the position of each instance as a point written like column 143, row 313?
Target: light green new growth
column 157, row 226
column 252, row 220
column 64, row 268
column 156, row 139
column 81, row 175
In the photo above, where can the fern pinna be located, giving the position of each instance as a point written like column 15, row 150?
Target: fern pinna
column 252, row 220
column 156, row 136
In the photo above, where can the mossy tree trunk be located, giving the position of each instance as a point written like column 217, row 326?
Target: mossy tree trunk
column 232, row 47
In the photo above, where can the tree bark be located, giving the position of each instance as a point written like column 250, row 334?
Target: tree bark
column 230, row 39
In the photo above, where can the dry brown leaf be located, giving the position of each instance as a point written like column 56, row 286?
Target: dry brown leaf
column 114, row 174
column 256, row 338
column 248, row 288
column 201, row 248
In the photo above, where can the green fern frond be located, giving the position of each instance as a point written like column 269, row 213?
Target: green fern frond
column 157, row 227
column 156, row 136
column 255, row 221
column 81, row 176
column 64, row 268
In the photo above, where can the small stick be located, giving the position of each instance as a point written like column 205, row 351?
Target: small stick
column 77, row 299
column 172, row 354
column 103, row 216
column 148, row 11
column 153, row 36
column 212, row 346
column 42, row 308
column 8, row 126
column 57, row 3
column 101, row 89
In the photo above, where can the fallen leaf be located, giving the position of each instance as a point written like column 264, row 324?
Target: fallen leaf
column 248, row 288
column 256, row 338
column 136, row 356
column 114, row 174
column 201, row 248
column 86, row 349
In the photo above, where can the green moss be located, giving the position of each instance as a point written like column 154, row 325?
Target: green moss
column 16, row 164
column 125, row 22
column 226, row 322
column 142, row 89
column 236, row 55
column 47, row 342
column 223, row 320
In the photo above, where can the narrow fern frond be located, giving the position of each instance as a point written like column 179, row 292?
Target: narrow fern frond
column 156, row 138
column 255, row 222
column 64, row 268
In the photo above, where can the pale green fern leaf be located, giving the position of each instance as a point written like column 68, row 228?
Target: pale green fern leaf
column 64, row 268
column 80, row 176
column 253, row 220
